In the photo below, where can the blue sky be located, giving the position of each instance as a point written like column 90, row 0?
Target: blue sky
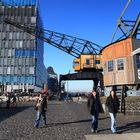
column 94, row 20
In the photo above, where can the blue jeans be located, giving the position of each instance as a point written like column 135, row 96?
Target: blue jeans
column 113, row 122
column 39, row 114
column 94, row 122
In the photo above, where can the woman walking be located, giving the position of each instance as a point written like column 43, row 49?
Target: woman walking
column 113, row 104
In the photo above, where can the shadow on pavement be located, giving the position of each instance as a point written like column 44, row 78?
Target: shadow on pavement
column 5, row 113
column 71, row 122
column 129, row 126
column 64, row 123
column 104, row 118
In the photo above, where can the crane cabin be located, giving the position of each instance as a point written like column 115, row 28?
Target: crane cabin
column 122, row 66
column 88, row 62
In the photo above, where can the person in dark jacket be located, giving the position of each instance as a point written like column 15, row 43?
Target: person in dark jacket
column 94, row 107
column 113, row 104
column 41, row 108
column 8, row 102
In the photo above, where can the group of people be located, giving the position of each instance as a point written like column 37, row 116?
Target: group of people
column 95, row 107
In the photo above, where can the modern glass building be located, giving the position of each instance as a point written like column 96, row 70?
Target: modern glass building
column 21, row 54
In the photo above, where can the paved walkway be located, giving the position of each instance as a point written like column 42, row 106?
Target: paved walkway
column 128, row 136
column 65, row 121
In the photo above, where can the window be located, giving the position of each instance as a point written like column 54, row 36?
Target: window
column 120, row 64
column 87, row 61
column 1, row 61
column 24, row 53
column 26, row 71
column 23, row 70
column 10, row 35
column 97, row 61
column 5, row 61
column 12, row 70
column 1, row 77
column 9, row 52
column 20, row 61
column 16, row 70
column 138, row 61
column 2, row 52
column 12, row 61
column 75, row 64
column 17, row 44
column 110, row 65
column 15, row 79
column 8, row 61
column 1, row 70
column 20, row 44
column 8, row 70
column 31, row 70
column 33, row 19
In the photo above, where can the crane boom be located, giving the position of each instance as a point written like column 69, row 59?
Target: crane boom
column 69, row 44
column 128, row 28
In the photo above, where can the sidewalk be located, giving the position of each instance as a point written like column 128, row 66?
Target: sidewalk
column 126, row 136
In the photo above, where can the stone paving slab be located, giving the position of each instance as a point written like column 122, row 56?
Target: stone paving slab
column 128, row 136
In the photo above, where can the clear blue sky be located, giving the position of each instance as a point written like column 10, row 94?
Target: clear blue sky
column 94, row 20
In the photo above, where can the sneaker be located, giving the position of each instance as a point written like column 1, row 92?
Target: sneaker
column 92, row 130
column 36, row 126
column 114, row 132
column 95, row 131
column 45, row 125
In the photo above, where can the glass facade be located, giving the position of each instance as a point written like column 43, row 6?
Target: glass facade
column 21, row 55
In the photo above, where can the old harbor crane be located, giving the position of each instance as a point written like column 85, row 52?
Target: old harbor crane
column 88, row 58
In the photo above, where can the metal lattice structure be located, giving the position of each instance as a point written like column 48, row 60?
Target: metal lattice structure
column 69, row 44
column 128, row 28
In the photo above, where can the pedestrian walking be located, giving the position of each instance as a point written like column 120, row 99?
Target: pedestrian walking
column 14, row 101
column 41, row 108
column 8, row 102
column 94, row 107
column 113, row 105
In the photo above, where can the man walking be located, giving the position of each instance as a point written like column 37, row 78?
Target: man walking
column 94, row 106
column 41, row 108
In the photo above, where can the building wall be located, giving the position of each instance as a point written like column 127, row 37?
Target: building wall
column 119, row 53
column 21, row 55
column 136, row 45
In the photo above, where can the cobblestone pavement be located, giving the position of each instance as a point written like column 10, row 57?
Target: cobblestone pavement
column 65, row 121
